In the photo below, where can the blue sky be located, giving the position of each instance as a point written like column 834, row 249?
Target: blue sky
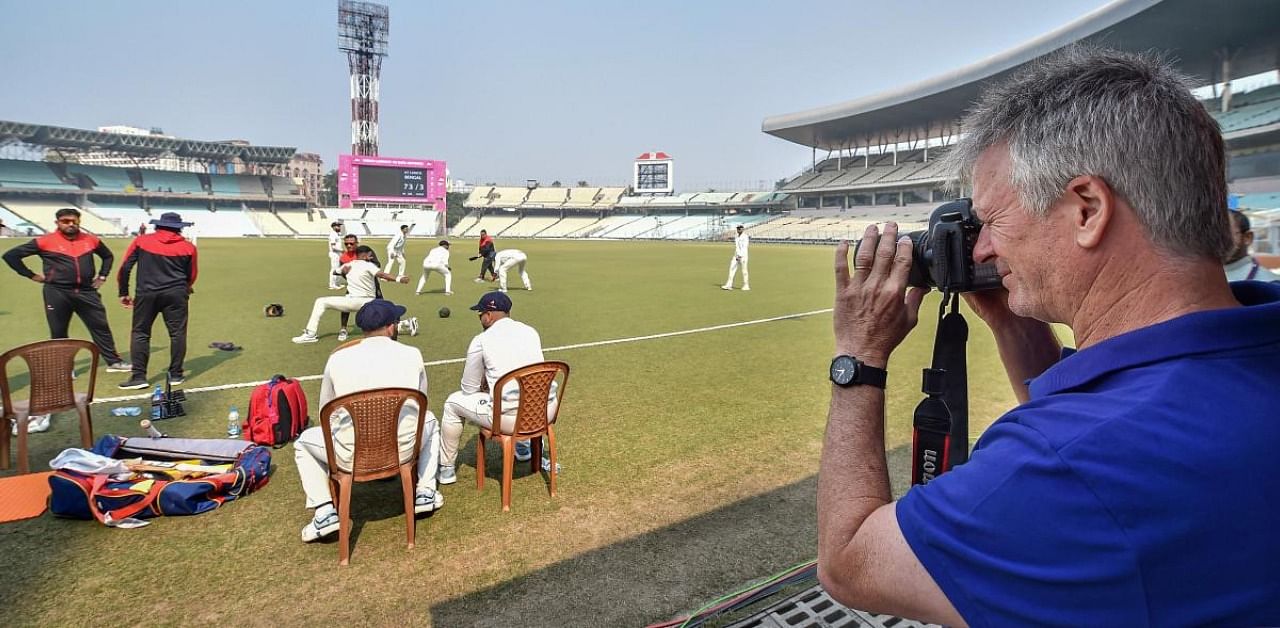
column 504, row 91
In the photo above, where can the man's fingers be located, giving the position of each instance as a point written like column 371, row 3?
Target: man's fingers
column 884, row 250
column 864, row 257
column 842, row 265
column 901, row 262
column 914, row 298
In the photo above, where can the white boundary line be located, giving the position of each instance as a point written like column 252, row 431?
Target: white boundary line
column 582, row 345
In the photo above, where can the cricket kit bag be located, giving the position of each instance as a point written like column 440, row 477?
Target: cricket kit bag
column 228, row 469
column 277, row 412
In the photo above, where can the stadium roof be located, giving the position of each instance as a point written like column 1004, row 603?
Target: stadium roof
column 1192, row 32
column 86, row 140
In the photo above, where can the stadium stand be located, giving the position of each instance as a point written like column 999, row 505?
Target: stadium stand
column 269, row 223
column 172, row 182
column 694, row 227
column 1260, row 201
column 285, row 189
column 129, row 215
column 479, row 197
column 227, row 221
column 507, row 197
column 581, row 198
column 31, row 175
column 495, row 224
column 608, row 224
column 548, row 198
column 530, row 226
column 306, row 223
column 608, row 197
column 465, row 224
column 19, row 225
column 103, row 179
column 41, row 212
column 569, row 225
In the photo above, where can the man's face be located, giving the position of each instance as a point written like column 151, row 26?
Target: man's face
column 486, row 319
column 1241, row 241
column 69, row 226
column 349, row 244
column 337, row 228
column 366, row 256
column 1024, row 248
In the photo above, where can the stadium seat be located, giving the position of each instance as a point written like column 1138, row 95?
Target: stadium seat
column 568, row 226
column 172, row 182
column 43, row 213
column 30, row 175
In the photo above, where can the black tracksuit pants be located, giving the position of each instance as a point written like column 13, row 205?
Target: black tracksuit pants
column 172, row 306
column 61, row 303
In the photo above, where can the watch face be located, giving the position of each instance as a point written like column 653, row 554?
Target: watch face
column 844, row 370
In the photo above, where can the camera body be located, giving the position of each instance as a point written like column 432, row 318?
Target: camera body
column 942, row 255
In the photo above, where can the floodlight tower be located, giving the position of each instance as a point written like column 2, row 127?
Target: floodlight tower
column 362, row 34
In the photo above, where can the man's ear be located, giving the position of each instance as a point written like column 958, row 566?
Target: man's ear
column 1091, row 206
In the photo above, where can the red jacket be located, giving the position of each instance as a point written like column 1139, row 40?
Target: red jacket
column 165, row 261
column 67, row 263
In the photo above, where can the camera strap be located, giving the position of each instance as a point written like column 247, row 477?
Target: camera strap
column 940, row 434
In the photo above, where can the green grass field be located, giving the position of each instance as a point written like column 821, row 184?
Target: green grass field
column 689, row 461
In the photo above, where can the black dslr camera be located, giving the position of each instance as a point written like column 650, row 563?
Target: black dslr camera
column 942, row 255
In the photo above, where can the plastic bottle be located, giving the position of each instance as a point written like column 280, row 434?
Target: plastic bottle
column 157, row 398
column 233, row 423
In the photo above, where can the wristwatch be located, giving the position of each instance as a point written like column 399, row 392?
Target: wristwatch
column 847, row 371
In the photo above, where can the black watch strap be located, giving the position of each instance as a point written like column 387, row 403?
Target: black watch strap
column 862, row 373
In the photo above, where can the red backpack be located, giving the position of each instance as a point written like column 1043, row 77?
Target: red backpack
column 277, row 412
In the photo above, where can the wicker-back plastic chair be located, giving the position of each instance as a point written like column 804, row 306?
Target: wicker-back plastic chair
column 533, row 420
column 50, row 363
column 375, row 416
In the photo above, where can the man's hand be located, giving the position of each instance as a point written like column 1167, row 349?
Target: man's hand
column 98, row 281
column 871, row 314
column 38, row 278
column 127, row 302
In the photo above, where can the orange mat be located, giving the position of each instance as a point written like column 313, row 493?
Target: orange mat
column 24, row 496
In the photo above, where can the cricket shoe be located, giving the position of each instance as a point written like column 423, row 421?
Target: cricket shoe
column 320, row 527
column 448, row 475
column 523, row 451
column 427, row 500
column 38, row 423
column 119, row 367
column 410, row 325
column 306, row 338
column 342, row 335
column 134, row 383
column 726, row 287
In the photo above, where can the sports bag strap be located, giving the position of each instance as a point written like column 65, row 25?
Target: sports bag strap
column 100, row 481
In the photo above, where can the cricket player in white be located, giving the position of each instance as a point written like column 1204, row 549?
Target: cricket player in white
column 437, row 260
column 335, row 249
column 740, row 244
column 508, row 259
column 395, row 249
column 362, row 287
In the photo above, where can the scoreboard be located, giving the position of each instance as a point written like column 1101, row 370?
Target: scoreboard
column 381, row 181
column 364, row 179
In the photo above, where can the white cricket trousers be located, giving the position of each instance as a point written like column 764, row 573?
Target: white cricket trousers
column 341, row 304
column 393, row 256
column 476, row 407
column 508, row 264
column 313, row 465
column 333, row 268
column 734, row 264
column 427, row 269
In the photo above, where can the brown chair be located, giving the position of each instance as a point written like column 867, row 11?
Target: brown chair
column 532, row 421
column 50, row 363
column 375, row 415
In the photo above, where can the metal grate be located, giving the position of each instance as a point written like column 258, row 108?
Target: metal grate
column 814, row 608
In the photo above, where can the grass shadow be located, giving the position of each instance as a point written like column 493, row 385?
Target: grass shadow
column 664, row 573
column 208, row 361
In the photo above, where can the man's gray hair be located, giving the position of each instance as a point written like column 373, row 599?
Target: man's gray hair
column 1128, row 118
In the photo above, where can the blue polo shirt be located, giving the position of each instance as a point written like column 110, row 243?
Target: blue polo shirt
column 1136, row 487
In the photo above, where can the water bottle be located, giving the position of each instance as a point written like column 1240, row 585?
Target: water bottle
column 233, row 423
column 157, row 399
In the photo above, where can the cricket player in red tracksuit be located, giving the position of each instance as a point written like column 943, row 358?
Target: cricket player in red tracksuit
column 70, row 281
column 166, row 265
